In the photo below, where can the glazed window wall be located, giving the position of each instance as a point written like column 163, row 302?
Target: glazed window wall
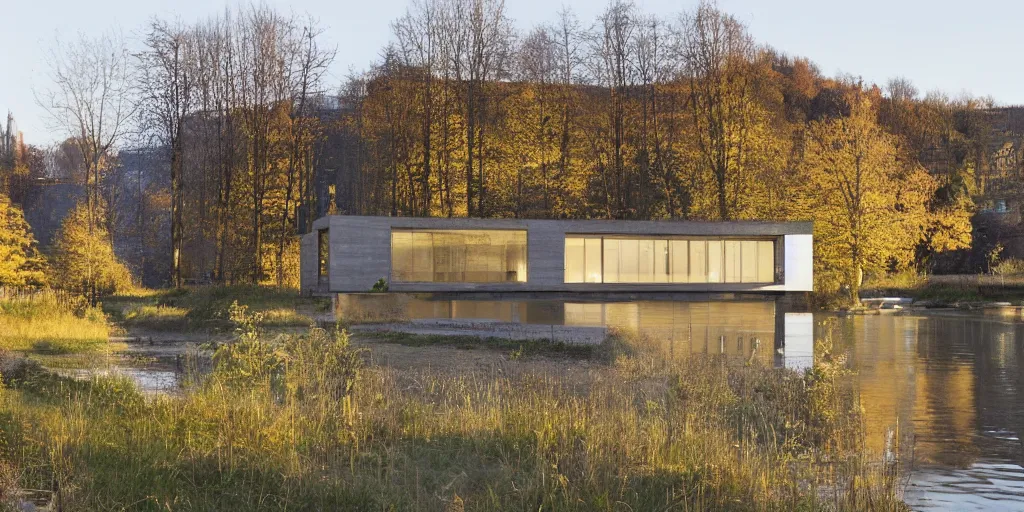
column 606, row 259
column 458, row 256
column 323, row 255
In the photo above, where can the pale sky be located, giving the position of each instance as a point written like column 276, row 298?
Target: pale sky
column 955, row 46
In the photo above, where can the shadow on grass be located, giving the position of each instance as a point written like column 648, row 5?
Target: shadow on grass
column 516, row 348
column 205, row 307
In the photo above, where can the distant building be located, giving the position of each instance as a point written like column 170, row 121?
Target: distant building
column 350, row 253
column 46, row 203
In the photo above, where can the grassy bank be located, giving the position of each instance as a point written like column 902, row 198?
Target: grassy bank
column 205, row 307
column 49, row 323
column 297, row 422
column 948, row 290
column 515, row 348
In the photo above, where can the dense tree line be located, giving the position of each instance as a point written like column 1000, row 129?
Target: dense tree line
column 637, row 117
column 626, row 116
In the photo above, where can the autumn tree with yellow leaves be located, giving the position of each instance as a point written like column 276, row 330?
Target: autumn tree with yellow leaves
column 84, row 259
column 21, row 264
column 870, row 210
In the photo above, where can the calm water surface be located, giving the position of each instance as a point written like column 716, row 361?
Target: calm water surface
column 952, row 386
column 955, row 386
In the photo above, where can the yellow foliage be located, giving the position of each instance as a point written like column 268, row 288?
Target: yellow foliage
column 20, row 263
column 84, row 256
column 870, row 211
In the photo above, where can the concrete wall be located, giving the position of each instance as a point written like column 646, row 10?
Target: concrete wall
column 360, row 250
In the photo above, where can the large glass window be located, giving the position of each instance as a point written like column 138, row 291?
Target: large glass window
column 615, row 259
column 765, row 261
column 732, row 261
column 679, row 252
column 323, row 254
column 662, row 269
column 592, row 257
column 575, row 260
column 698, row 261
column 458, row 256
column 629, row 261
column 611, row 254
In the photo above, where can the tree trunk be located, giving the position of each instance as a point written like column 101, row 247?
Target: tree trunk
column 176, row 209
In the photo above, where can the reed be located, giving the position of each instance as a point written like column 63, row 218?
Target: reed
column 205, row 307
column 48, row 322
column 297, row 422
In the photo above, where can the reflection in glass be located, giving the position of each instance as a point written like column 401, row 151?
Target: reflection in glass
column 611, row 260
column 458, row 256
column 662, row 268
column 698, row 261
column 679, row 251
column 732, row 261
column 574, row 260
column 714, row 261
column 596, row 259
column 748, row 261
column 592, row 249
column 629, row 264
column 323, row 255
column 765, row 261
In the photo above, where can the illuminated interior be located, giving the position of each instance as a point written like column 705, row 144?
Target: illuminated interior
column 458, row 256
column 323, row 249
column 615, row 259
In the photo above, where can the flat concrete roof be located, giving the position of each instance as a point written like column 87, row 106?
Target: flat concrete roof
column 595, row 226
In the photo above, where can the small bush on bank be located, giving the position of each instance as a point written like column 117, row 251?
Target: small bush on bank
column 84, row 259
column 1009, row 267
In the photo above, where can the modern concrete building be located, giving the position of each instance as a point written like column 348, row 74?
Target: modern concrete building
column 346, row 254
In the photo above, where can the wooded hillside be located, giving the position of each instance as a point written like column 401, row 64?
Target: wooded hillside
column 629, row 116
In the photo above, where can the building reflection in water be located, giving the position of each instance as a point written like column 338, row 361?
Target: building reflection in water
column 952, row 384
column 952, row 387
column 753, row 330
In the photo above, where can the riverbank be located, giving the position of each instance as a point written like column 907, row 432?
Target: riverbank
column 307, row 419
column 948, row 290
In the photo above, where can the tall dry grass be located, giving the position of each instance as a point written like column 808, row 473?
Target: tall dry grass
column 205, row 307
column 50, row 322
column 298, row 423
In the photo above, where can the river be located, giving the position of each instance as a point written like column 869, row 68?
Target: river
column 951, row 385
column 955, row 386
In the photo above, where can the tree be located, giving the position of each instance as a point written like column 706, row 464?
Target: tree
column 84, row 260
column 308, row 63
column 716, row 51
column 20, row 262
column 613, row 52
column 869, row 211
column 90, row 100
column 167, row 76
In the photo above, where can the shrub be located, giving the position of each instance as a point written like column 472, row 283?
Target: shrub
column 1009, row 267
column 84, row 259
column 20, row 261
column 315, row 365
